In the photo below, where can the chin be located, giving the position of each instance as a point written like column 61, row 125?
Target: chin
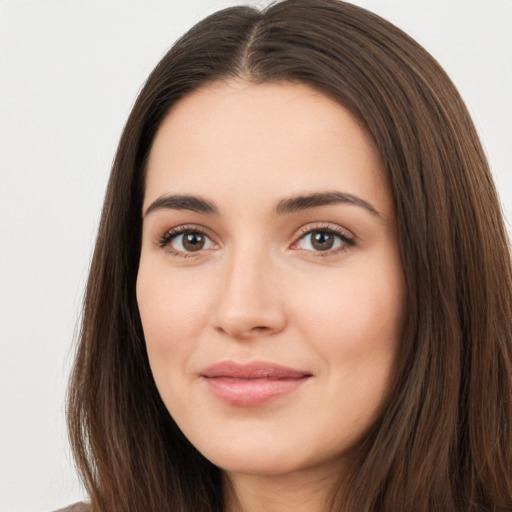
column 268, row 457
column 257, row 465
column 251, row 455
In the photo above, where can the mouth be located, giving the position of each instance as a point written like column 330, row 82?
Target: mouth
column 252, row 384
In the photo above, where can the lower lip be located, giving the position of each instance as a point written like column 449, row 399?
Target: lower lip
column 251, row 392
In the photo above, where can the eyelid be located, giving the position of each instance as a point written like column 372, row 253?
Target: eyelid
column 348, row 238
column 164, row 241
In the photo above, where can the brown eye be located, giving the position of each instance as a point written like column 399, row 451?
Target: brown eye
column 322, row 240
column 193, row 241
column 190, row 241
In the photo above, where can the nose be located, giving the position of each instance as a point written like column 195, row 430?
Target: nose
column 250, row 302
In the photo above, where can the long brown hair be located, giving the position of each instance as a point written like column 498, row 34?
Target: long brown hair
column 444, row 439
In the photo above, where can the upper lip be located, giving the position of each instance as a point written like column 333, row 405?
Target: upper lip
column 252, row 370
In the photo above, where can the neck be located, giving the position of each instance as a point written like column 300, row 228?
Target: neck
column 304, row 491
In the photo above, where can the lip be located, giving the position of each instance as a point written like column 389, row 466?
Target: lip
column 252, row 384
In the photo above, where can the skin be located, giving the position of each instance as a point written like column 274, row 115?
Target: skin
column 260, row 290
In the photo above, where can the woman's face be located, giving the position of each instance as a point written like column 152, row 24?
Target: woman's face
column 270, row 284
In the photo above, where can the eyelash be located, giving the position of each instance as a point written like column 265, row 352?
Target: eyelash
column 347, row 240
column 164, row 242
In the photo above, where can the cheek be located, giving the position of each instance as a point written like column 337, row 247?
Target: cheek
column 355, row 325
column 173, row 316
column 358, row 311
column 169, row 302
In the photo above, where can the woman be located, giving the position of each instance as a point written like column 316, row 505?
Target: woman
column 300, row 296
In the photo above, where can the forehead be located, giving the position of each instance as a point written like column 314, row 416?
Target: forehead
column 267, row 140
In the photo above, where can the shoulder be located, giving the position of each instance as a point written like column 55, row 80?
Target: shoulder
column 77, row 507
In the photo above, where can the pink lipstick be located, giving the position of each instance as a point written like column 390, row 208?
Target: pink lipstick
column 251, row 384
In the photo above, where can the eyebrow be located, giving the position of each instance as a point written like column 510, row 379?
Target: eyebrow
column 304, row 202
column 182, row 202
column 283, row 207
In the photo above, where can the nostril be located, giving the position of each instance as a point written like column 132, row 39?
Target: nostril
column 239, row 332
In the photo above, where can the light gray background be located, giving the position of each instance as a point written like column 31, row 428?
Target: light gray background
column 69, row 73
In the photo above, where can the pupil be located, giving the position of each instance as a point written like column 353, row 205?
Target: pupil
column 322, row 241
column 193, row 241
